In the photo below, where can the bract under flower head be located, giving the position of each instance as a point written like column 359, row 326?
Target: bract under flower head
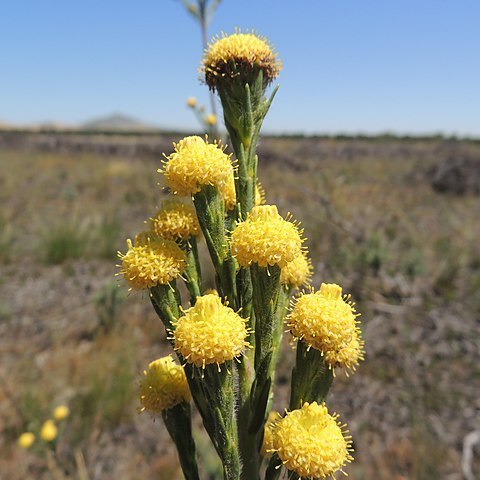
column 297, row 272
column 323, row 320
column 164, row 385
column 196, row 163
column 239, row 55
column 210, row 332
column 175, row 221
column 348, row 356
column 266, row 238
column 310, row 442
column 49, row 431
column 157, row 262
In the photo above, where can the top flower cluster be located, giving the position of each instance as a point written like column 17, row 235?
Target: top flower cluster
column 239, row 55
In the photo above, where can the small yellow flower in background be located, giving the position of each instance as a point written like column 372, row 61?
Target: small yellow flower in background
column 310, row 442
column 191, row 102
column 324, row 320
column 298, row 272
column 348, row 356
column 272, row 420
column 210, row 332
column 192, row 8
column 175, row 221
column 156, row 263
column 266, row 238
column 211, row 119
column 239, row 54
column 164, row 385
column 49, row 431
column 25, row 440
column 196, row 163
column 61, row 412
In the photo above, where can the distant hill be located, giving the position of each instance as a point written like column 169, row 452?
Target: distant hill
column 117, row 121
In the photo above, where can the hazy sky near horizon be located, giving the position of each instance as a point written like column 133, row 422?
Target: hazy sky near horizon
column 406, row 66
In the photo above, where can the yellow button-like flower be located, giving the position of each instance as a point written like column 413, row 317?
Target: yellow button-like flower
column 49, row 431
column 25, row 440
column 191, row 102
column 323, row 320
column 210, row 332
column 196, row 163
column 164, row 385
column 156, row 263
column 310, row 442
column 61, row 412
column 211, row 119
column 175, row 221
column 272, row 420
column 266, row 238
column 239, row 54
column 297, row 272
column 348, row 356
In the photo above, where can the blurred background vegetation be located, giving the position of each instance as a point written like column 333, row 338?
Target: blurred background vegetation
column 394, row 220
column 376, row 224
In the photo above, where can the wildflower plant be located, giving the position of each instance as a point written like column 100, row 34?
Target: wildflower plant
column 227, row 340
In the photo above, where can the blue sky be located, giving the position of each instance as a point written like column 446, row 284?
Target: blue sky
column 349, row 65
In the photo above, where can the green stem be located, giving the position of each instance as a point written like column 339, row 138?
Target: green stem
column 192, row 271
column 166, row 301
column 210, row 209
column 311, row 377
column 219, row 386
column 249, row 444
column 283, row 299
column 178, row 421
column 266, row 291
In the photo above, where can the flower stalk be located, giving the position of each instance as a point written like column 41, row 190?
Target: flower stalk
column 228, row 341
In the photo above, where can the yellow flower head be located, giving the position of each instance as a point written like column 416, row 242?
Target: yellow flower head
column 210, row 332
column 156, row 263
column 272, row 420
column 239, row 55
column 175, row 221
column 266, row 238
column 348, row 356
column 191, row 102
column 49, row 431
column 211, row 119
column 25, row 440
column 310, row 442
column 164, row 385
column 297, row 272
column 196, row 163
column 61, row 412
column 323, row 320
